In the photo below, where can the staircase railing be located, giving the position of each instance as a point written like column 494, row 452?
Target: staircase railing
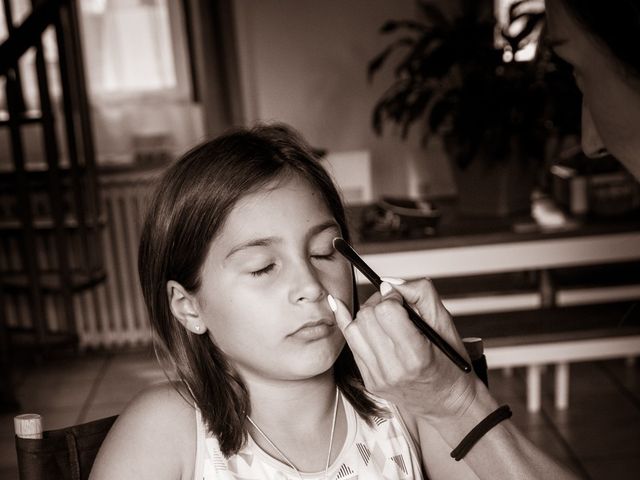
column 50, row 216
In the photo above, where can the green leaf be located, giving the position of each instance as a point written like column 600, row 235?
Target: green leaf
column 377, row 118
column 420, row 53
column 433, row 13
column 416, row 109
column 389, row 105
column 376, row 63
column 441, row 109
column 392, row 25
column 439, row 62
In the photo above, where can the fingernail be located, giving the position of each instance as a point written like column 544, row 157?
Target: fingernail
column 332, row 303
column 393, row 281
column 385, row 288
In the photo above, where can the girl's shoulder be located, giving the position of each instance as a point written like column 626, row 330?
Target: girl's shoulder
column 154, row 437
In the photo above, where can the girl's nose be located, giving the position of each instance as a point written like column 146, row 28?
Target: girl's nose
column 592, row 144
column 306, row 286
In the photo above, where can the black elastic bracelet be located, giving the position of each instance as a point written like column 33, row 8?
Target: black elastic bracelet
column 494, row 418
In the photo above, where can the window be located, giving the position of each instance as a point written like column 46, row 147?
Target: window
column 138, row 76
column 129, row 46
column 137, row 63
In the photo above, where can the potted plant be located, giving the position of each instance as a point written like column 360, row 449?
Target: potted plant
column 496, row 116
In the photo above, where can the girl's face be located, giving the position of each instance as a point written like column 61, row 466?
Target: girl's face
column 265, row 281
column 611, row 105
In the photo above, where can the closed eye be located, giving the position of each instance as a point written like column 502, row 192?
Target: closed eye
column 328, row 256
column 263, row 271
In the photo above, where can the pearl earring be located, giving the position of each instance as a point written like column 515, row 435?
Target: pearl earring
column 197, row 327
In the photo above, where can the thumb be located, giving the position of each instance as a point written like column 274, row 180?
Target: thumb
column 340, row 311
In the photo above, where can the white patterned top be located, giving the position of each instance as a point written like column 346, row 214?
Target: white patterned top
column 384, row 450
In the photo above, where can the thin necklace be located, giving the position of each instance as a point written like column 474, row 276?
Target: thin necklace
column 333, row 429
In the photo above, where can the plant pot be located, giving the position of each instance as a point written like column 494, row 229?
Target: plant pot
column 495, row 189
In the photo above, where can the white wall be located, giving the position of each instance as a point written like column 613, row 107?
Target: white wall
column 304, row 62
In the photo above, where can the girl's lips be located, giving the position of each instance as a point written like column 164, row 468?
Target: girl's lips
column 314, row 330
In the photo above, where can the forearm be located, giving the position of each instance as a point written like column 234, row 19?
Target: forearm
column 503, row 452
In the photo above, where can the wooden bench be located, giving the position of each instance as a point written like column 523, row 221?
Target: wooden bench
column 539, row 318
column 555, row 336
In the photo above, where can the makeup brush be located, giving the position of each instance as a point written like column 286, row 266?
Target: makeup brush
column 350, row 254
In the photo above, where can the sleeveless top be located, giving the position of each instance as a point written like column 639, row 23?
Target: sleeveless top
column 384, row 450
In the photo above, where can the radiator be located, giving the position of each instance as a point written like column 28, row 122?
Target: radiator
column 119, row 315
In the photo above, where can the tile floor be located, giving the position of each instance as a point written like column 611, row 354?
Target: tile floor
column 598, row 436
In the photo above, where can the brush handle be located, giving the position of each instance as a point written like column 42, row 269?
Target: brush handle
column 436, row 339
column 423, row 327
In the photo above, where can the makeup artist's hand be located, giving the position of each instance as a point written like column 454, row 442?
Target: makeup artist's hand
column 398, row 363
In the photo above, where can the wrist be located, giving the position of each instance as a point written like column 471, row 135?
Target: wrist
column 466, row 410
column 492, row 420
column 464, row 431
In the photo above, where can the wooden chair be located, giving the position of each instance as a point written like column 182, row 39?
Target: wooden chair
column 65, row 454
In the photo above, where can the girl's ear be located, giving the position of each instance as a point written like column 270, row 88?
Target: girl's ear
column 184, row 308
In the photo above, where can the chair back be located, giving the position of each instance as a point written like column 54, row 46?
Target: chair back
column 64, row 454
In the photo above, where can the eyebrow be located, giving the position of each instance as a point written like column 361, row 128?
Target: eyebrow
column 268, row 241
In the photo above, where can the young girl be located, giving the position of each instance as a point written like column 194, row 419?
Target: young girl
column 251, row 305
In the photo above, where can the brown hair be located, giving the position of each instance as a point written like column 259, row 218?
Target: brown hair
column 188, row 209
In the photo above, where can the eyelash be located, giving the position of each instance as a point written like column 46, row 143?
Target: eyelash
column 268, row 268
column 329, row 256
column 263, row 271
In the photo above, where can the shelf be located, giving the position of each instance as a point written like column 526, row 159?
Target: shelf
column 38, row 172
column 28, row 117
column 25, row 342
column 70, row 223
column 50, row 282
